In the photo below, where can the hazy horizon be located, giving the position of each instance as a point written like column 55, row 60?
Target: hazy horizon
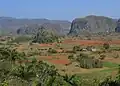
column 58, row 10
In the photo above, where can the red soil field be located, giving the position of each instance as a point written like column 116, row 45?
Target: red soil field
column 91, row 42
column 60, row 61
column 83, row 42
column 61, row 56
column 49, row 57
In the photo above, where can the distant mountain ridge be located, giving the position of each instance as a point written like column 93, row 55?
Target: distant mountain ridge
column 13, row 24
column 92, row 24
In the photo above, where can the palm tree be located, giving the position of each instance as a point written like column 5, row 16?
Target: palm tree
column 69, row 80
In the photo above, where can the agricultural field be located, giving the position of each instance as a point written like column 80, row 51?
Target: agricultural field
column 82, row 60
column 111, row 56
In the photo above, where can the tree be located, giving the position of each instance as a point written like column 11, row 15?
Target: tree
column 43, row 36
column 77, row 48
column 50, row 50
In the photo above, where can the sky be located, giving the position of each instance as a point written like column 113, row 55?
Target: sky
column 59, row 9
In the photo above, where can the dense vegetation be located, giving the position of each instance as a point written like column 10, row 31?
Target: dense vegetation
column 43, row 36
column 86, row 61
column 17, row 70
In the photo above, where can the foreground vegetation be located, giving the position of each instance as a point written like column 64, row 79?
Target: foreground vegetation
column 29, row 67
column 17, row 70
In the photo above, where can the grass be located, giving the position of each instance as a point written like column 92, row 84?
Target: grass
column 109, row 70
column 110, row 64
column 100, row 75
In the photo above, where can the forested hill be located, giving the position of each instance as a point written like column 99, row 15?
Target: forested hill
column 9, row 24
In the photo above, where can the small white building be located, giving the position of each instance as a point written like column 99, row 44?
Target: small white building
column 94, row 50
column 84, row 49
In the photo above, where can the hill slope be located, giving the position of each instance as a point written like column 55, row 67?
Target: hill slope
column 12, row 24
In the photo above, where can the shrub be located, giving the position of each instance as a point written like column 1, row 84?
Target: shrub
column 72, row 57
column 33, row 53
column 116, row 56
column 69, row 51
column 51, row 50
column 61, row 48
column 102, row 57
column 77, row 48
column 106, row 46
column 89, row 48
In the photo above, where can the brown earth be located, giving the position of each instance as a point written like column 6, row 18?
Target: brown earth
column 91, row 42
column 113, row 60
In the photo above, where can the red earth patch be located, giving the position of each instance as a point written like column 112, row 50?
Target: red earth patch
column 60, row 61
column 90, row 42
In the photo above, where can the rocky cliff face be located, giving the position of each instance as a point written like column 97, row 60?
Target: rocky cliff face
column 92, row 24
column 117, row 29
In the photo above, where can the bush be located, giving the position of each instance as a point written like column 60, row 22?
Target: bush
column 102, row 57
column 69, row 51
column 50, row 50
column 106, row 46
column 116, row 56
column 72, row 57
column 89, row 48
column 77, row 48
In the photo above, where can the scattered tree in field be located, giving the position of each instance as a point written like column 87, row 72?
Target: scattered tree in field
column 71, row 57
column 77, row 48
column 51, row 50
column 106, row 46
